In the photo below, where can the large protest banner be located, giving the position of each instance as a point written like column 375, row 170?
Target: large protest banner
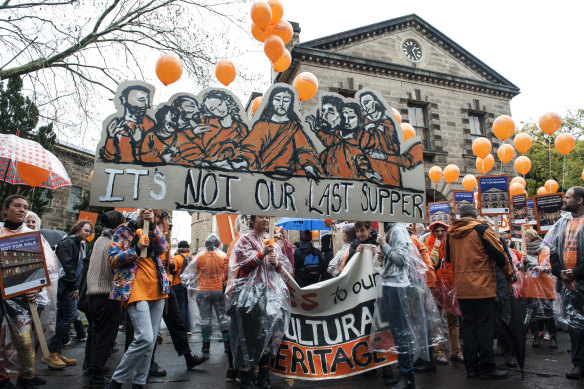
column 330, row 325
column 347, row 160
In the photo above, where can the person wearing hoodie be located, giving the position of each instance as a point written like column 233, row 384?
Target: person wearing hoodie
column 309, row 264
column 473, row 249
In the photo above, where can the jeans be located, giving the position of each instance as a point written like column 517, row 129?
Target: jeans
column 66, row 314
column 478, row 330
column 207, row 301
column 182, row 299
column 104, row 316
column 146, row 316
column 396, row 309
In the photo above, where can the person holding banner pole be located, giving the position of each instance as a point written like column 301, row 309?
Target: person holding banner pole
column 15, row 312
column 258, row 301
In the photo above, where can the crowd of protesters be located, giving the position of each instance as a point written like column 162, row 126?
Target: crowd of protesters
column 463, row 276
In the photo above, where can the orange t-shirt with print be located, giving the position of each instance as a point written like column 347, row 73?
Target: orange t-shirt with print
column 571, row 242
column 146, row 284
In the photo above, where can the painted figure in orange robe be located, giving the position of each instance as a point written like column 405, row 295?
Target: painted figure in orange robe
column 380, row 142
column 189, row 125
column 161, row 145
column 225, row 130
column 344, row 159
column 277, row 143
column 124, row 135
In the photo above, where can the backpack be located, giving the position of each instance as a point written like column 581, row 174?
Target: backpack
column 311, row 264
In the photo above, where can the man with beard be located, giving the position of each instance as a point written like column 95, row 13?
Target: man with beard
column 380, row 142
column 124, row 135
column 328, row 122
column 567, row 260
column 277, row 143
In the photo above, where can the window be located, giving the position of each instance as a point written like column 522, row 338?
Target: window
column 417, row 118
column 476, row 126
column 502, row 196
column 494, row 197
column 45, row 197
column 75, row 197
column 486, row 197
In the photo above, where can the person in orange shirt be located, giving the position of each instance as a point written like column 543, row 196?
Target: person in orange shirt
column 124, row 135
column 177, row 265
column 567, row 260
column 277, row 142
column 210, row 268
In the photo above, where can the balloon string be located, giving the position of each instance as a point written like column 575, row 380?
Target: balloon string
column 563, row 173
column 435, row 187
column 550, row 153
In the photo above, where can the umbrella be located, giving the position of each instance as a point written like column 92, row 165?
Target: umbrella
column 292, row 223
column 52, row 236
column 14, row 150
column 515, row 331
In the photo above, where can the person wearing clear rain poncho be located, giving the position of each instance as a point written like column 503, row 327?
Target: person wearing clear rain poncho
column 18, row 349
column 402, row 303
column 258, row 301
column 336, row 264
column 566, row 240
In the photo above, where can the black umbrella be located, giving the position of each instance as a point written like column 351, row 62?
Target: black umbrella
column 52, row 236
column 514, row 332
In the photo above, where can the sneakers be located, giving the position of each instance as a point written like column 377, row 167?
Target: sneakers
column 231, row 375
column 80, row 338
column 576, row 373
column 156, row 370
column 53, row 361
column 67, row 361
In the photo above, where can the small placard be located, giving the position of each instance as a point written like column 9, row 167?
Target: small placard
column 439, row 212
column 462, row 197
column 494, row 195
column 519, row 208
column 548, row 209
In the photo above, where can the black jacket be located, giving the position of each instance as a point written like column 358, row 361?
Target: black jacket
column 301, row 278
column 68, row 253
column 372, row 240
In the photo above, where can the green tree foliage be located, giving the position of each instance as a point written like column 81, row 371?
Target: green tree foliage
column 19, row 115
column 543, row 154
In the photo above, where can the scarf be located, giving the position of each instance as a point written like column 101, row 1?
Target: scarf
column 533, row 248
column 430, row 245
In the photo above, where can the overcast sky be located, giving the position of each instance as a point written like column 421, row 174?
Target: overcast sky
column 534, row 44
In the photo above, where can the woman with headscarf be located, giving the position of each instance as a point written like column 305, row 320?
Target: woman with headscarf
column 258, row 301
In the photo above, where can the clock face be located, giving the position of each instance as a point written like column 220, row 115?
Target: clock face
column 412, row 50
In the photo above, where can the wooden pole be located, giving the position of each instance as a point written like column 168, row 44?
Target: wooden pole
column 272, row 227
column 497, row 220
column 145, row 230
column 38, row 328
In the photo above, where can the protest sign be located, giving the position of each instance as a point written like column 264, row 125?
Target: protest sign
column 347, row 160
column 439, row 212
column 494, row 195
column 90, row 216
column 548, row 209
column 462, row 197
column 531, row 220
column 23, row 264
column 519, row 208
column 330, row 325
column 515, row 230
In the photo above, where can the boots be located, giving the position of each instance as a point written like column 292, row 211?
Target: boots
column 264, row 378
column 553, row 342
column 406, row 381
column 246, row 380
column 206, row 346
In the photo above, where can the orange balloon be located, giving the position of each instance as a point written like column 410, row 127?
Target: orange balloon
column 90, row 238
column 523, row 165
column 283, row 63
column 435, row 174
column 284, row 30
column 505, row 153
column 485, row 165
column 168, row 69
column 91, row 176
column 522, row 142
column 582, row 176
column 542, row 191
column 469, row 182
column 451, row 173
column 259, row 34
column 481, row 147
column 516, row 189
column 32, row 175
column 256, row 103
column 503, row 127
column 273, row 47
column 306, row 84
column 277, row 10
column 519, row 179
column 225, row 72
column 550, row 122
column 408, row 130
column 565, row 143
column 397, row 115
column 551, row 186
column 261, row 14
